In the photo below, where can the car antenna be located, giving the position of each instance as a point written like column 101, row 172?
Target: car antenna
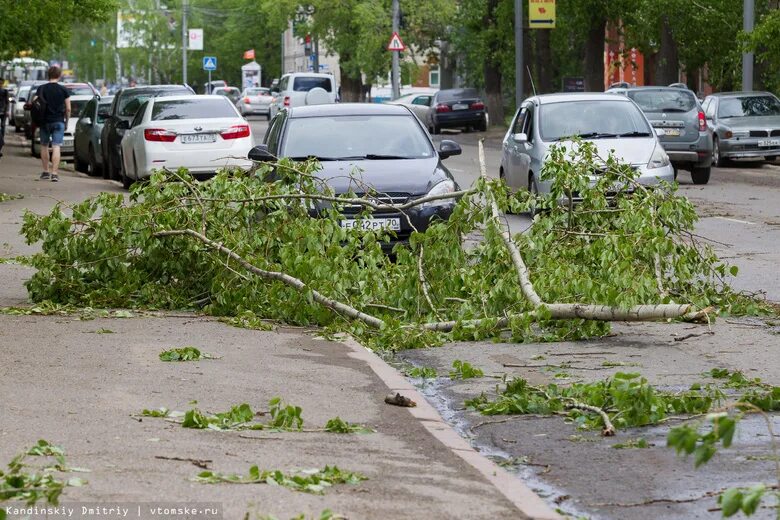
column 533, row 87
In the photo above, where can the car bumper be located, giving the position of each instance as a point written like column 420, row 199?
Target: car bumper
column 647, row 177
column 456, row 118
column 746, row 148
column 697, row 152
column 255, row 109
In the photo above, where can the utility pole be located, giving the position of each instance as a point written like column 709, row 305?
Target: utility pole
column 316, row 60
column 748, row 20
column 185, row 39
column 395, row 74
column 518, row 52
column 281, row 70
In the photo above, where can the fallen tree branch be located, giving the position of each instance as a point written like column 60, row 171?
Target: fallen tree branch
column 689, row 336
column 608, row 430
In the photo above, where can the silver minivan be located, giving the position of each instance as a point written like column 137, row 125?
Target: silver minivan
column 298, row 89
column 614, row 124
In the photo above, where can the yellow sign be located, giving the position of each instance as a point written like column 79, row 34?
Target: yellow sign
column 541, row 14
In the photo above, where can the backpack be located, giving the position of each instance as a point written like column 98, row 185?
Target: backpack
column 38, row 109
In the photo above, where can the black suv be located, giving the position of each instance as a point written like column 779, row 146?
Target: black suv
column 126, row 102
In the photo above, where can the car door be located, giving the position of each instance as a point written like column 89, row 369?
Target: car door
column 516, row 151
column 81, row 134
column 710, row 113
column 420, row 105
column 135, row 152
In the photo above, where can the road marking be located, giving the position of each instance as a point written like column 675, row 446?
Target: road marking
column 737, row 220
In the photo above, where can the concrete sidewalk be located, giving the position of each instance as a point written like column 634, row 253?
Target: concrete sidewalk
column 75, row 384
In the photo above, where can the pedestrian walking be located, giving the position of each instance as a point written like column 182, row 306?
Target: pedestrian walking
column 52, row 107
column 103, row 89
column 3, row 113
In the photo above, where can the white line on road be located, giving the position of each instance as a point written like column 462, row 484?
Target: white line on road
column 737, row 220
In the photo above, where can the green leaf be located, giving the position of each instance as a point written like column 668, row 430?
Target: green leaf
column 730, row 501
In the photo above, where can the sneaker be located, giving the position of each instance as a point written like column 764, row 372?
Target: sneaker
column 55, row 177
column 44, row 176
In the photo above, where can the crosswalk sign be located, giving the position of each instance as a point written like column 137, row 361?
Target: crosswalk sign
column 209, row 63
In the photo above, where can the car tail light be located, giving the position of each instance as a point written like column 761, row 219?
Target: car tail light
column 159, row 135
column 235, row 132
column 246, row 100
column 479, row 105
column 702, row 122
column 443, row 108
column 287, row 101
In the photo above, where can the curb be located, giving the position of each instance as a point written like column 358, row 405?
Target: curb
column 523, row 498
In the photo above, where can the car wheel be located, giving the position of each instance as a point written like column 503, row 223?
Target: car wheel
column 93, row 170
column 108, row 164
column 35, row 151
column 770, row 158
column 17, row 127
column 268, row 116
column 533, row 210
column 79, row 165
column 676, row 171
column 700, row 175
column 717, row 160
column 482, row 126
column 127, row 182
column 435, row 129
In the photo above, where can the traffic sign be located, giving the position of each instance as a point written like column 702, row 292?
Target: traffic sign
column 541, row 14
column 209, row 63
column 396, row 44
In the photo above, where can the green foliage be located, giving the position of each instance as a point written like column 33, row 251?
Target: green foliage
column 188, row 353
column 464, row 370
column 309, row 481
column 422, row 372
column 632, row 444
column 628, row 399
column 734, row 500
column 237, row 417
column 735, row 379
column 161, row 412
column 285, row 416
column 4, row 197
column 41, row 483
column 247, row 320
column 336, row 425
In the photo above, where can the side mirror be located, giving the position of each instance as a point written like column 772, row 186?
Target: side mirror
column 87, row 121
column 449, row 148
column 260, row 153
column 522, row 137
column 27, row 106
column 123, row 124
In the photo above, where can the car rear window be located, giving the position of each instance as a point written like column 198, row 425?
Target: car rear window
column 257, row 91
column 306, row 83
column 458, row 93
column 130, row 102
column 747, row 106
column 77, row 106
column 672, row 100
column 79, row 90
column 192, row 109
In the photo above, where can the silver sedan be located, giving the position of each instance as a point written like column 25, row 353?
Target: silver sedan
column 255, row 100
column 614, row 124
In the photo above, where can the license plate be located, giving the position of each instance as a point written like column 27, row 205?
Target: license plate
column 769, row 142
column 460, row 106
column 373, row 224
column 198, row 138
column 672, row 132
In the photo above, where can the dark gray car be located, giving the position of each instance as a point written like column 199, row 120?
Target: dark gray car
column 86, row 141
column 682, row 129
column 746, row 125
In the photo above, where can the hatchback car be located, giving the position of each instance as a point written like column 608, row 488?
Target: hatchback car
column 255, row 100
column 200, row 133
column 612, row 123
column 746, row 125
column 679, row 121
column 126, row 103
column 87, row 153
column 386, row 143
column 457, row 108
column 299, row 88
column 232, row 93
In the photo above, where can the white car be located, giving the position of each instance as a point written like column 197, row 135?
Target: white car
column 298, row 89
column 200, row 133
column 17, row 114
column 255, row 100
column 77, row 104
column 417, row 102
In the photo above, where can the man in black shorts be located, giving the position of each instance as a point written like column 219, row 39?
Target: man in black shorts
column 55, row 118
column 3, row 114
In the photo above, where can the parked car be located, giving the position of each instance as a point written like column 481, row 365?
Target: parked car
column 303, row 88
column 386, row 143
column 679, row 121
column 200, row 133
column 126, row 103
column 232, row 93
column 457, row 108
column 75, row 89
column 417, row 102
column 209, row 87
column 610, row 122
column 255, row 100
column 17, row 111
column 87, row 153
column 746, row 125
column 77, row 104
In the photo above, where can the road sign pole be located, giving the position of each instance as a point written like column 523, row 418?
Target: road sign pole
column 748, row 19
column 395, row 74
column 185, row 36
column 518, row 52
column 210, row 81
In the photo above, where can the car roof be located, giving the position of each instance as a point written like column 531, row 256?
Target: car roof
column 81, row 97
column 745, row 93
column 348, row 109
column 189, row 96
column 75, row 85
column 312, row 74
column 654, row 87
column 147, row 88
column 545, row 99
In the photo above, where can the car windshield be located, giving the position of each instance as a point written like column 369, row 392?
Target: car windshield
column 104, row 110
column 80, row 90
column 591, row 120
column 77, row 106
column 748, row 106
column 356, row 137
column 257, row 92
column 132, row 101
column 199, row 108
column 306, row 83
column 458, row 93
column 23, row 93
column 671, row 100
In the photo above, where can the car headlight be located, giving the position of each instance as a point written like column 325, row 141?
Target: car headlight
column 659, row 159
column 442, row 188
column 739, row 133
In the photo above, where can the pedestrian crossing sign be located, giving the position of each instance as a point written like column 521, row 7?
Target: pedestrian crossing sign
column 209, row 63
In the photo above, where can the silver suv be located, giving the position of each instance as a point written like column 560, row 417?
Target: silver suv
column 679, row 121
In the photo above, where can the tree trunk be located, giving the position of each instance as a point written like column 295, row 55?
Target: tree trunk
column 544, row 61
column 594, row 55
column 446, row 67
column 492, row 69
column 351, row 88
column 668, row 62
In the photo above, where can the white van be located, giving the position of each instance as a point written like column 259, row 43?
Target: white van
column 303, row 88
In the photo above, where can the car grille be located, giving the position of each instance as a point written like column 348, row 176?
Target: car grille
column 759, row 133
column 383, row 198
column 775, row 133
